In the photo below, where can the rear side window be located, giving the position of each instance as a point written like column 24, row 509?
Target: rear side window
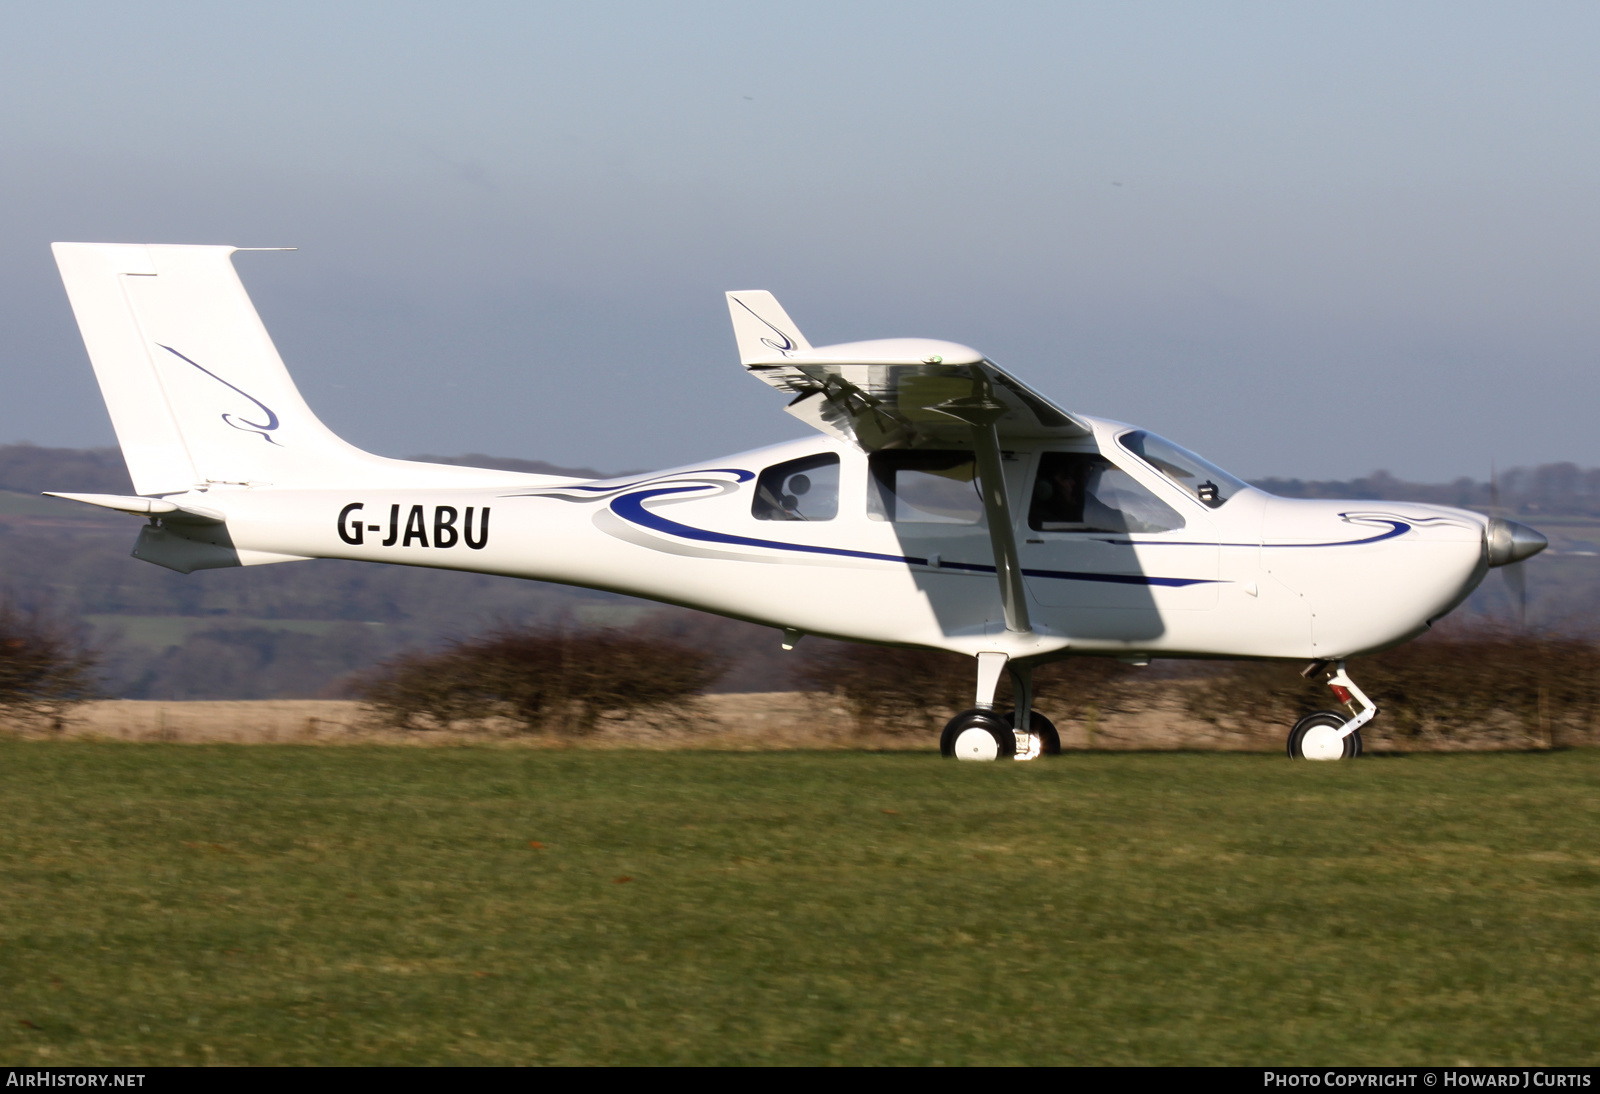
column 1085, row 492
column 806, row 489
column 917, row 487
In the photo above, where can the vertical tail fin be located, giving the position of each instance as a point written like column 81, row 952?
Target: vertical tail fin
column 196, row 390
column 762, row 328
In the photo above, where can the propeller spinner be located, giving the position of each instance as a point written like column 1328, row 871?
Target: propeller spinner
column 1506, row 541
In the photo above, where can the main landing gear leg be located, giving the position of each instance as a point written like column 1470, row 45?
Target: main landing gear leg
column 987, row 733
column 981, row 733
column 1036, row 734
column 1327, row 734
column 1028, row 744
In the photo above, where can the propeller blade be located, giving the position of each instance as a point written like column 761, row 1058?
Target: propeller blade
column 1516, row 576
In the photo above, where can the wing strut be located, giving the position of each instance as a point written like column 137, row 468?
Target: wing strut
column 981, row 410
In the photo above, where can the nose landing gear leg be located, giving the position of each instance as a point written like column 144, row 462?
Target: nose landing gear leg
column 1327, row 734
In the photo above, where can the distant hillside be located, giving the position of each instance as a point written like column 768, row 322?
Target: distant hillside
column 30, row 469
column 1551, row 489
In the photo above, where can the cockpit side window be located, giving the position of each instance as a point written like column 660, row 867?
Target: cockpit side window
column 919, row 486
column 805, row 489
column 1085, row 492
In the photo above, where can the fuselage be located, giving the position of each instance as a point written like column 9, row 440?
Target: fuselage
column 817, row 536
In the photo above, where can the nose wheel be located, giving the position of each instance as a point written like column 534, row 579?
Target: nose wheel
column 1320, row 736
column 1327, row 734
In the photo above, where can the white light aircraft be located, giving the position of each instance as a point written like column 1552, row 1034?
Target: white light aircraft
column 943, row 504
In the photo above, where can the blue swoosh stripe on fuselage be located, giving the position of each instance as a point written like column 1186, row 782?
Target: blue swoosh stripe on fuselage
column 1078, row 575
column 630, row 507
column 738, row 474
column 1396, row 528
column 1121, row 579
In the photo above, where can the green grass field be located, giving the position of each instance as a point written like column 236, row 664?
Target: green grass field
column 170, row 903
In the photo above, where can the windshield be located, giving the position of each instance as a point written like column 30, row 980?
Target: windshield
column 1206, row 482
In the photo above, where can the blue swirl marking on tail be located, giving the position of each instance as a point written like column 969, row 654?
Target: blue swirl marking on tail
column 264, row 429
column 782, row 347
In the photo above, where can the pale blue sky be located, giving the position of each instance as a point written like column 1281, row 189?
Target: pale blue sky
column 1303, row 239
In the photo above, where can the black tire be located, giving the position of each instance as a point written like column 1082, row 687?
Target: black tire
column 1005, row 741
column 1049, row 739
column 1315, row 726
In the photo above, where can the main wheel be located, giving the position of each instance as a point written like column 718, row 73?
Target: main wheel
column 1316, row 737
column 978, row 735
column 1042, row 730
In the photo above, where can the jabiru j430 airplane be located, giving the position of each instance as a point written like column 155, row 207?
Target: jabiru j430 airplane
column 943, row 504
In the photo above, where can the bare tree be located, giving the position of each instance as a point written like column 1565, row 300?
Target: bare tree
column 45, row 666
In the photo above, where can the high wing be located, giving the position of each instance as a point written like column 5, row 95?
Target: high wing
column 907, row 393
column 892, row 392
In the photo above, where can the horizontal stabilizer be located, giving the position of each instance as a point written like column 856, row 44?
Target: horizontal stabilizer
column 189, row 538
column 153, row 507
